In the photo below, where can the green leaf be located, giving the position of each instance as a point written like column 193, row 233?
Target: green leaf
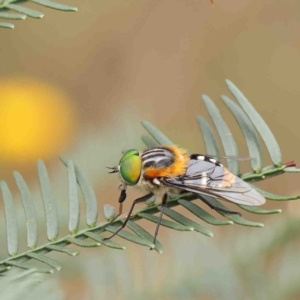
column 151, row 201
column 44, row 259
column 23, row 275
column 55, row 5
column 157, row 134
column 259, row 123
column 225, row 135
column 109, row 243
column 256, row 210
column 130, row 237
column 249, row 134
column 11, row 16
column 179, row 218
column 49, row 202
column 144, row 234
column 27, row 267
column 4, row 268
column 7, row 25
column 165, row 223
column 109, row 212
column 10, row 219
column 30, row 211
column 150, row 143
column 81, row 243
column 25, row 10
column 235, row 218
column 57, row 248
column 202, row 214
column 266, row 172
column 74, row 206
column 292, row 170
column 17, row 5
column 209, row 137
column 88, row 195
column 274, row 197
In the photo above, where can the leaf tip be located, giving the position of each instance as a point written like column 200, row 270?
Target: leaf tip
column 228, row 82
column 15, row 173
column 109, row 212
column 64, row 160
column 40, row 162
column 204, row 97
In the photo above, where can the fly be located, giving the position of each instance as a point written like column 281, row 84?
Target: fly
column 170, row 170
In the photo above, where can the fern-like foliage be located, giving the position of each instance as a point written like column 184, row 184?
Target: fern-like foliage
column 31, row 285
column 23, row 12
column 250, row 123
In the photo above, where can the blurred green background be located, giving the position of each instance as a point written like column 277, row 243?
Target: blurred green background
column 79, row 84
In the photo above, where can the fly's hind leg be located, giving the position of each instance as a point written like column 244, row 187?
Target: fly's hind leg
column 218, row 209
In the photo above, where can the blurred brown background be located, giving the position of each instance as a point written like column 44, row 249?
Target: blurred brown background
column 80, row 83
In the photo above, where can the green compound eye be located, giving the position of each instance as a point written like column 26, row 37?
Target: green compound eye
column 131, row 167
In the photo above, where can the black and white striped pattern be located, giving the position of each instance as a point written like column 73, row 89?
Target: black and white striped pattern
column 205, row 158
column 157, row 158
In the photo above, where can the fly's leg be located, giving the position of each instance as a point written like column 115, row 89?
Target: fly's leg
column 138, row 200
column 121, row 200
column 163, row 204
column 229, row 212
column 182, row 179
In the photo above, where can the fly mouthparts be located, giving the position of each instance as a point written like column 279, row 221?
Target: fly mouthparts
column 114, row 170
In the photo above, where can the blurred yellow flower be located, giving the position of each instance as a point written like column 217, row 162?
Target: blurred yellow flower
column 36, row 120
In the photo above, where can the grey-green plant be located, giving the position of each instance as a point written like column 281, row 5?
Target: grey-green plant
column 249, row 265
column 8, row 9
column 250, row 123
column 31, row 285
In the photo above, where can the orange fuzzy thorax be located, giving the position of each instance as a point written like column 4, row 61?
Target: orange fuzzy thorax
column 176, row 169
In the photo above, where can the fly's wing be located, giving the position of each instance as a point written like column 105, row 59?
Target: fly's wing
column 211, row 178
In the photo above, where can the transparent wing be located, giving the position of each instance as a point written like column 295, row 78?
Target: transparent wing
column 232, row 157
column 206, row 177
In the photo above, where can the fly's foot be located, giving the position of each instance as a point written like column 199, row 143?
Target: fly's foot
column 227, row 212
column 130, row 217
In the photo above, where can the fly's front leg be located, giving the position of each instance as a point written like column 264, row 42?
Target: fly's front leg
column 163, row 204
column 121, row 200
column 138, row 200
